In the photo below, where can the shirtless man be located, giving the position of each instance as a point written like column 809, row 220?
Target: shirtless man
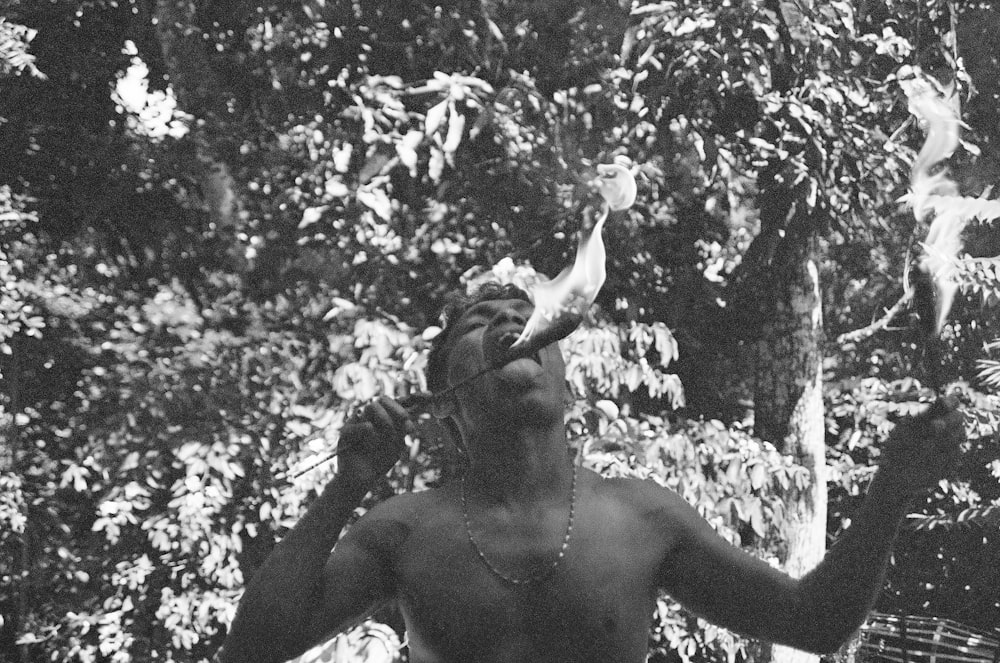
column 529, row 559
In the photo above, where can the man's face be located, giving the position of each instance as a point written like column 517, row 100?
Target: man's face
column 483, row 332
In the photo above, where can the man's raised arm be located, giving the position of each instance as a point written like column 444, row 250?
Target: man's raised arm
column 822, row 609
column 289, row 605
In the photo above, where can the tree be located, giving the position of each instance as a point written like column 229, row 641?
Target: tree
column 226, row 265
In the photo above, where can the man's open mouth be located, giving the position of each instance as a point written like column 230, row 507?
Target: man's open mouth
column 507, row 339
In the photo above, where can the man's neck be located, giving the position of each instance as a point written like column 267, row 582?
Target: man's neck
column 520, row 466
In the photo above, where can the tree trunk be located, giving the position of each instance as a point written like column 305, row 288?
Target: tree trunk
column 787, row 382
column 203, row 93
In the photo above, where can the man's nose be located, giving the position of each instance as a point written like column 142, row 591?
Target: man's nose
column 509, row 315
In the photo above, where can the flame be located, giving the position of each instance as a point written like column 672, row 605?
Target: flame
column 575, row 288
column 616, row 184
column 938, row 113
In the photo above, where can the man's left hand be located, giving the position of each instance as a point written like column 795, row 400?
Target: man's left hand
column 923, row 449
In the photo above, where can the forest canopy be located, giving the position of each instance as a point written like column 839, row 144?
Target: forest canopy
column 224, row 225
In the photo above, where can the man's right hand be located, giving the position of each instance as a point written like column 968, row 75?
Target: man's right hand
column 372, row 441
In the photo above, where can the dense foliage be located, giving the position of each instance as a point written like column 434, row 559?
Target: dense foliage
column 226, row 224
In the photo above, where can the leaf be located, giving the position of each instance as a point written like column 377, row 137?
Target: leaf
column 377, row 201
column 435, row 115
column 665, row 343
column 435, row 166
column 75, row 475
column 354, row 382
column 607, row 408
column 754, row 510
column 456, row 128
column 758, row 476
column 335, row 188
column 373, row 166
column 769, row 30
column 342, row 157
column 311, row 215
column 495, row 29
column 407, row 150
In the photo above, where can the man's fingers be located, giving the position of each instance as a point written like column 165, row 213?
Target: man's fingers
column 390, row 422
column 395, row 417
column 396, row 411
column 376, row 413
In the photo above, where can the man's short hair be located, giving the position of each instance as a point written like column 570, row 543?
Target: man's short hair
column 455, row 307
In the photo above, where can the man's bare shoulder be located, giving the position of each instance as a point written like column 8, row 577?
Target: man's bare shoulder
column 648, row 500
column 409, row 508
column 637, row 491
column 387, row 528
column 415, row 503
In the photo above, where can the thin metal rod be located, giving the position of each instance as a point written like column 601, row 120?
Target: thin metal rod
column 419, row 402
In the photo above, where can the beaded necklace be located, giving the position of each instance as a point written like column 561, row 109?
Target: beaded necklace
column 536, row 577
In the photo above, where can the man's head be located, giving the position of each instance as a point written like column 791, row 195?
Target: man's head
column 455, row 308
column 522, row 394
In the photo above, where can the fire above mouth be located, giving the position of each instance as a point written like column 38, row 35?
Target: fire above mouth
column 561, row 303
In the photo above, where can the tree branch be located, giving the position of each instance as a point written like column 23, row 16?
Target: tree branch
column 878, row 325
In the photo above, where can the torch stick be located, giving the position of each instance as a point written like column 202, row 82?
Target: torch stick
column 930, row 345
column 562, row 327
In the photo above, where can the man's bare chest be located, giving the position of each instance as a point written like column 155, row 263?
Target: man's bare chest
column 465, row 590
